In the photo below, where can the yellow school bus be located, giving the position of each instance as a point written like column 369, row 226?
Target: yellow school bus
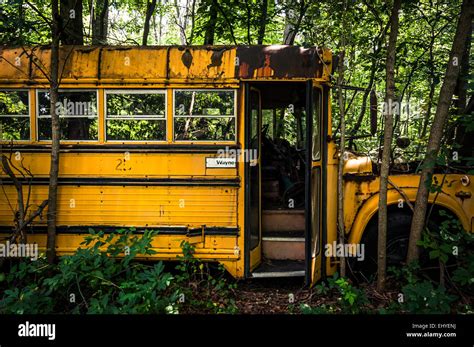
column 229, row 148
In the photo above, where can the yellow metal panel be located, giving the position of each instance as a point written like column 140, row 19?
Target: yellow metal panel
column 81, row 63
column 202, row 63
column 14, row 64
column 331, row 208
column 135, row 206
column 364, row 204
column 120, row 65
column 32, row 106
column 166, row 246
column 101, row 114
column 133, row 63
column 127, row 164
column 238, row 268
column 169, row 115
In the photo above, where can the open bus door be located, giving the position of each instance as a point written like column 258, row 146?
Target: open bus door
column 253, row 204
column 314, row 183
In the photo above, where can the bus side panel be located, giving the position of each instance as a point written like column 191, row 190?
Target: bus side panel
column 160, row 189
column 137, row 206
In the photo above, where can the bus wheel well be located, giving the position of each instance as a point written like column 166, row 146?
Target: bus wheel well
column 398, row 233
column 433, row 210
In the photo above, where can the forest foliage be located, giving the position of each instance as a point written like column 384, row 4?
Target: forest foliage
column 103, row 284
column 426, row 33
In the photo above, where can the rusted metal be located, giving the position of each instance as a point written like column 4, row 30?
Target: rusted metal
column 164, row 64
column 278, row 61
column 187, row 58
column 216, row 58
column 362, row 177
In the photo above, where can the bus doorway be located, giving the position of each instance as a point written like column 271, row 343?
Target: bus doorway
column 278, row 185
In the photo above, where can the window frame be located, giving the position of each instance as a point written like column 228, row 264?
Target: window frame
column 38, row 90
column 319, row 91
column 163, row 91
column 234, row 116
column 29, row 116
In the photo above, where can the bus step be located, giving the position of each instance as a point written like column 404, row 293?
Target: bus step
column 279, row 268
column 283, row 247
column 283, row 220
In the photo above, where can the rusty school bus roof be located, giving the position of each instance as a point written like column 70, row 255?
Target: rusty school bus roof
column 165, row 64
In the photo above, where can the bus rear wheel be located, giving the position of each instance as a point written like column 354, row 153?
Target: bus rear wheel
column 398, row 233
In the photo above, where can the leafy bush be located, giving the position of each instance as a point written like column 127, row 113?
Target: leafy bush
column 105, row 277
column 424, row 297
column 349, row 299
column 200, row 290
column 447, row 240
column 92, row 280
column 452, row 248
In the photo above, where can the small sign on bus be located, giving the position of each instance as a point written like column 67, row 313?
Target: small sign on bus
column 218, row 163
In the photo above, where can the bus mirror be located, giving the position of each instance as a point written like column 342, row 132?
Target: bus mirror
column 373, row 113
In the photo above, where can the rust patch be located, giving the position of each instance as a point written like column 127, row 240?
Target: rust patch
column 216, row 58
column 278, row 61
column 463, row 195
column 86, row 49
column 243, row 69
column 359, row 177
column 119, row 48
column 187, row 58
column 266, row 70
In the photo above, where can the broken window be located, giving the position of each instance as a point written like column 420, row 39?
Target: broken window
column 14, row 115
column 136, row 115
column 204, row 115
column 77, row 111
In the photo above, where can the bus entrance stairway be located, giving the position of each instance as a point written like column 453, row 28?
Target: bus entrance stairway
column 283, row 244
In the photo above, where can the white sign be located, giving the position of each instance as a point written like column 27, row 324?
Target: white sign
column 214, row 163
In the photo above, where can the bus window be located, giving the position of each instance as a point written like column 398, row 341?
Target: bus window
column 77, row 115
column 316, row 124
column 204, row 115
column 14, row 115
column 135, row 115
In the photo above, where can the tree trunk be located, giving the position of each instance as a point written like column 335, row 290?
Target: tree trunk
column 249, row 24
column 263, row 22
column 193, row 22
column 291, row 29
column 436, row 133
column 150, row 9
column 340, row 179
column 100, row 22
column 433, row 83
column 182, row 22
column 387, row 145
column 72, row 28
column 459, row 134
column 56, row 134
column 227, row 21
column 211, row 25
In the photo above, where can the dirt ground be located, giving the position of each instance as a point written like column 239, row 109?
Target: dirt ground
column 285, row 295
column 267, row 296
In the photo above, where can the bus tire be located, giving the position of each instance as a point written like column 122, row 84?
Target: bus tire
column 398, row 233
